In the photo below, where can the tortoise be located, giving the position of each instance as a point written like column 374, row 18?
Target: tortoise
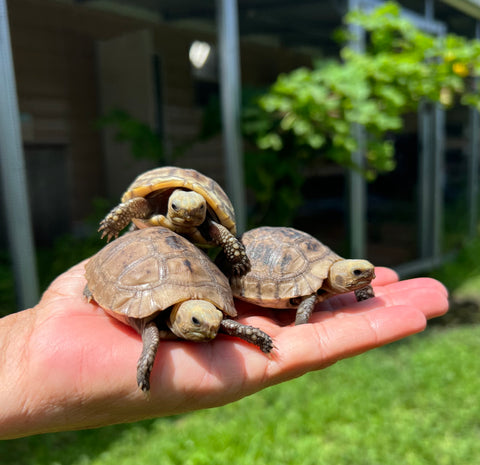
column 186, row 202
column 163, row 286
column 292, row 269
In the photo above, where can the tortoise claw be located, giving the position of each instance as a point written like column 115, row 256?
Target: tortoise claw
column 364, row 293
column 122, row 215
column 232, row 247
column 106, row 232
column 241, row 268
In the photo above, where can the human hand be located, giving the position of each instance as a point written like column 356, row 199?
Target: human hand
column 67, row 365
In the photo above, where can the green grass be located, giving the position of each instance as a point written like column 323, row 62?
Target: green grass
column 414, row 402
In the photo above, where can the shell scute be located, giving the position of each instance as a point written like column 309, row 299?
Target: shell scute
column 286, row 263
column 162, row 181
column 149, row 270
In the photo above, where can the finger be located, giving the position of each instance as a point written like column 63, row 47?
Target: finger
column 429, row 283
column 427, row 294
column 384, row 275
column 314, row 346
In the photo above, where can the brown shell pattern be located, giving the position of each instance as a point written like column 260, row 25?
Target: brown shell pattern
column 167, row 178
column 286, row 263
column 146, row 271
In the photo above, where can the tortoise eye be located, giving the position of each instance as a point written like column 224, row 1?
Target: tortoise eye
column 174, row 206
column 357, row 272
column 195, row 321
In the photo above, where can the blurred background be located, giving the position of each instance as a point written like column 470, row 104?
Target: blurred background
column 362, row 130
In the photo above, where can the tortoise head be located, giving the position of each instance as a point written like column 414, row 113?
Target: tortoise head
column 195, row 320
column 186, row 208
column 349, row 275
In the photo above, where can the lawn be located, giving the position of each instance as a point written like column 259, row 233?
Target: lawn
column 414, row 402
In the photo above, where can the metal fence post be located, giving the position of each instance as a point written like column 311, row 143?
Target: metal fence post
column 439, row 182
column 230, row 95
column 425, row 180
column 357, row 200
column 473, row 161
column 13, row 176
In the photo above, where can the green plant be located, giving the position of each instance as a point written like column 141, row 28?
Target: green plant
column 462, row 269
column 68, row 249
column 277, row 196
column 401, row 67
column 309, row 113
column 144, row 141
column 7, row 290
column 274, row 179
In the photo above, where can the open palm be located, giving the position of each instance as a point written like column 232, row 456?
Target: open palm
column 67, row 365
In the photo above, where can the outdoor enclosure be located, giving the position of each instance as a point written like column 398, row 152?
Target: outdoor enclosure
column 77, row 60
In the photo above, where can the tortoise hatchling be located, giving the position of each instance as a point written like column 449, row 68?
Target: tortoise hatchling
column 291, row 269
column 186, row 202
column 159, row 283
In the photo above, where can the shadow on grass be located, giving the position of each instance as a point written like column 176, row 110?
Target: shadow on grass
column 71, row 447
column 463, row 311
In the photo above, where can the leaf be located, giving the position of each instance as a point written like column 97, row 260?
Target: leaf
column 270, row 141
column 308, row 113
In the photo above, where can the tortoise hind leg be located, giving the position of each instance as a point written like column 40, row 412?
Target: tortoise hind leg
column 305, row 310
column 247, row 333
column 121, row 216
column 151, row 339
column 233, row 249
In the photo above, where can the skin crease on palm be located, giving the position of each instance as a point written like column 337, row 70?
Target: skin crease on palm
column 66, row 365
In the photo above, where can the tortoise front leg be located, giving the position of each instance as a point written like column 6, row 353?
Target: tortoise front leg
column 151, row 339
column 122, row 215
column 234, row 250
column 247, row 333
column 364, row 293
column 305, row 309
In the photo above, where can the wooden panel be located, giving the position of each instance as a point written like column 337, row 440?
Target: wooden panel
column 89, row 22
column 56, row 84
column 49, row 190
column 206, row 156
column 126, row 82
column 54, row 46
column 49, row 107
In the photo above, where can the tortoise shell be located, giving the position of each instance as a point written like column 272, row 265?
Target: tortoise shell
column 149, row 270
column 286, row 264
column 162, row 181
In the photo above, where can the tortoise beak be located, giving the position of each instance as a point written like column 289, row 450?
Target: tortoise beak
column 204, row 336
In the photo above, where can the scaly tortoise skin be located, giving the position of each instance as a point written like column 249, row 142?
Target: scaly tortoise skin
column 185, row 201
column 143, row 273
column 292, row 269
